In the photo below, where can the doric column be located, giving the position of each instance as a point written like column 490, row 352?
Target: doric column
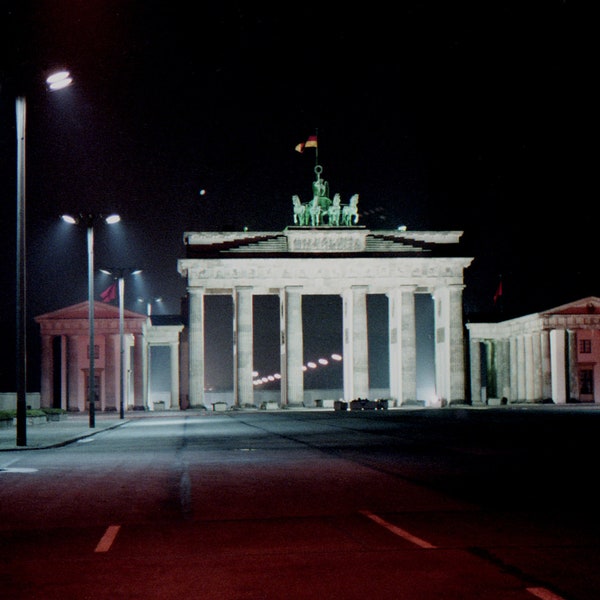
column 537, row 366
column 356, row 349
column 558, row 365
column 395, row 344
column 64, row 395
column 442, row 344
column 139, row 372
column 402, row 345
column 449, row 344
column 196, row 347
column 291, row 346
column 47, row 372
column 475, row 373
column 174, row 349
column 514, row 374
column 503, row 368
column 529, row 367
column 76, row 395
column 112, row 369
column 521, row 393
column 546, row 368
column 457, row 345
column 573, row 382
column 243, row 388
column 145, row 381
column 409, row 346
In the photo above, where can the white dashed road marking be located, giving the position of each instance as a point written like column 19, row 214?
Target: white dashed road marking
column 17, row 470
column 543, row 593
column 108, row 538
column 397, row 530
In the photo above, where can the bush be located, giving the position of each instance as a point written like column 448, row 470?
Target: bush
column 54, row 411
column 31, row 412
column 6, row 415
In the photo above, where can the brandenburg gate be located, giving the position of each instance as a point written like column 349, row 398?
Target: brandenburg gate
column 319, row 258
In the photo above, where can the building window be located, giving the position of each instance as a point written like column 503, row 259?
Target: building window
column 585, row 346
column 96, row 352
column 586, row 381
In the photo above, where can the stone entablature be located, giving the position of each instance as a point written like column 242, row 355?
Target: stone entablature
column 379, row 274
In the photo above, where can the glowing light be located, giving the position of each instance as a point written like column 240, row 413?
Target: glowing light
column 59, row 80
column 58, row 76
column 113, row 219
column 309, row 365
column 69, row 219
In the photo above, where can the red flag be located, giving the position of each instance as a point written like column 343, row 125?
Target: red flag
column 498, row 292
column 311, row 142
column 110, row 293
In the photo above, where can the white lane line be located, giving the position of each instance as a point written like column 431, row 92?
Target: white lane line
column 108, row 538
column 397, row 530
column 543, row 593
column 17, row 470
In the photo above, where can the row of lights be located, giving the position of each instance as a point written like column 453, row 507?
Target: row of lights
column 309, row 365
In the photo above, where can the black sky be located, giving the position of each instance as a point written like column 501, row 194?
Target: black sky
column 471, row 116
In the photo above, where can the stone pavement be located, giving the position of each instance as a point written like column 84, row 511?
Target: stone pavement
column 58, row 433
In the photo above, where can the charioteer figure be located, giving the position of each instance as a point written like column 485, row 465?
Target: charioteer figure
column 322, row 210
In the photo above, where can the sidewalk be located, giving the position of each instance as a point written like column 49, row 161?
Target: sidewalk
column 58, row 433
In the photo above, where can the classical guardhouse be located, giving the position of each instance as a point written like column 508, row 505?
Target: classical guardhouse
column 552, row 355
column 350, row 262
column 65, row 356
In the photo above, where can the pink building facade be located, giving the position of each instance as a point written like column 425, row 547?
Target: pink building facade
column 65, row 358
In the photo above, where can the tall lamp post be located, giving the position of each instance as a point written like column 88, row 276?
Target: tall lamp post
column 119, row 273
column 55, row 81
column 89, row 220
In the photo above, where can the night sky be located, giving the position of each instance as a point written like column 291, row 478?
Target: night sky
column 470, row 116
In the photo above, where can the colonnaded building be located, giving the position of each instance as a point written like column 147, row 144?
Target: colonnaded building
column 554, row 355
column 351, row 262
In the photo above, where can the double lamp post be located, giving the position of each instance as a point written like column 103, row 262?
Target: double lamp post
column 89, row 220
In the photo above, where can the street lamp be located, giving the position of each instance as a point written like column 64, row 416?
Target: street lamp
column 89, row 220
column 119, row 273
column 62, row 80
column 149, row 302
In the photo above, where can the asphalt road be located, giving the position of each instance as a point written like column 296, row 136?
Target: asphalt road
column 411, row 504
